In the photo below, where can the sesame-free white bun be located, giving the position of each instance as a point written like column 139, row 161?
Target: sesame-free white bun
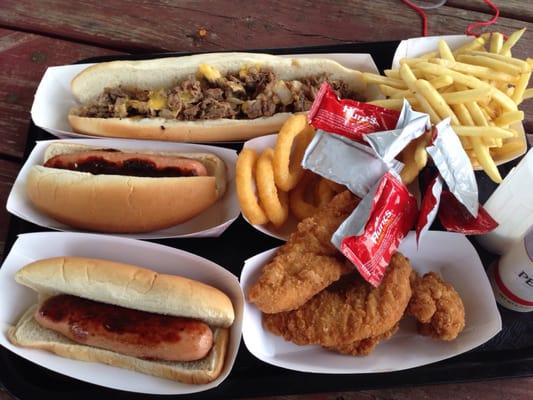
column 122, row 204
column 167, row 72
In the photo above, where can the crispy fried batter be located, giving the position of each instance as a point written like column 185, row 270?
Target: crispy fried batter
column 366, row 346
column 438, row 307
column 349, row 310
column 307, row 263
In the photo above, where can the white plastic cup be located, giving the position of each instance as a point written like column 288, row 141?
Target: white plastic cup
column 511, row 205
column 512, row 276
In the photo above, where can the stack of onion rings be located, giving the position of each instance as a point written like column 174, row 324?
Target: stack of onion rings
column 273, row 183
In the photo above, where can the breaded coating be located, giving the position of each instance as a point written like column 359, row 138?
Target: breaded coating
column 349, row 310
column 437, row 307
column 365, row 346
column 307, row 263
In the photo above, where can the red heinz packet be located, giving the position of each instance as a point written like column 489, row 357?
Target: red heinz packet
column 349, row 118
column 372, row 233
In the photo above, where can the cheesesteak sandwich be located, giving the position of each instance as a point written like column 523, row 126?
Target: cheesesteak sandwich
column 125, row 316
column 204, row 97
column 122, row 191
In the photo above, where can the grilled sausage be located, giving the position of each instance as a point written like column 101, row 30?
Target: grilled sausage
column 131, row 332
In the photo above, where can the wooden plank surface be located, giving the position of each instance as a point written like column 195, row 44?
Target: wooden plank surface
column 514, row 9
column 238, row 24
column 8, row 173
column 23, row 59
column 510, row 389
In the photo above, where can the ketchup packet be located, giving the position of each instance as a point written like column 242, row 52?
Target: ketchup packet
column 454, row 166
column 429, row 207
column 455, row 217
column 346, row 162
column 411, row 125
column 349, row 118
column 372, row 233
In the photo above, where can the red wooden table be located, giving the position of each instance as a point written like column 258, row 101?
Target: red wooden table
column 38, row 34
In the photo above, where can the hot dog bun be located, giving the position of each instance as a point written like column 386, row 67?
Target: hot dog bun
column 122, row 204
column 166, row 72
column 132, row 287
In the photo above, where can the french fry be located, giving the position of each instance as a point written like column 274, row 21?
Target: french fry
column 485, row 160
column 508, row 149
column 411, row 61
column 509, row 118
column 429, row 55
column 475, row 44
column 445, row 51
column 393, row 92
column 392, row 73
column 410, row 170
column 470, row 81
column 520, row 87
column 441, row 81
column 477, row 115
column 496, row 42
column 523, row 65
column 528, row 94
column 465, row 96
column 393, row 104
column 490, row 62
column 410, row 79
column 373, row 78
column 476, row 70
column 481, row 131
column 435, row 100
column 511, row 41
column 420, row 153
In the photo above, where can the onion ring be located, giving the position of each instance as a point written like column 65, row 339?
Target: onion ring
column 287, row 167
column 274, row 201
column 244, row 175
column 323, row 193
column 299, row 206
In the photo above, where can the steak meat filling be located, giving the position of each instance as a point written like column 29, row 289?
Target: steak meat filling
column 249, row 94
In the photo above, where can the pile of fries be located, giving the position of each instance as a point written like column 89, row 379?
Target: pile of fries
column 479, row 86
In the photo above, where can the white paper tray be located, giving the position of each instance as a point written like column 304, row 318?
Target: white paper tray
column 449, row 254
column 210, row 223
column 421, row 45
column 15, row 300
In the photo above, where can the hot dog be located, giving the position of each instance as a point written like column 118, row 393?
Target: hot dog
column 204, row 97
column 108, row 190
column 126, row 331
column 126, row 316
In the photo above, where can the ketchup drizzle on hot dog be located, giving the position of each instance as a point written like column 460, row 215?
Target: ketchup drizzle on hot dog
column 105, row 162
column 137, row 332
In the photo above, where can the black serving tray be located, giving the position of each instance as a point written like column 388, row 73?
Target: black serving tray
column 509, row 354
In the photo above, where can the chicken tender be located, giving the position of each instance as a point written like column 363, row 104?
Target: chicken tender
column 364, row 347
column 349, row 310
column 437, row 307
column 307, row 263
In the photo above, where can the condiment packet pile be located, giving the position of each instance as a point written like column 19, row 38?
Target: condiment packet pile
column 356, row 145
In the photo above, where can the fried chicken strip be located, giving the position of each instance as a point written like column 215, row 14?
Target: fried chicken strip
column 349, row 310
column 365, row 346
column 307, row 263
column 437, row 307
